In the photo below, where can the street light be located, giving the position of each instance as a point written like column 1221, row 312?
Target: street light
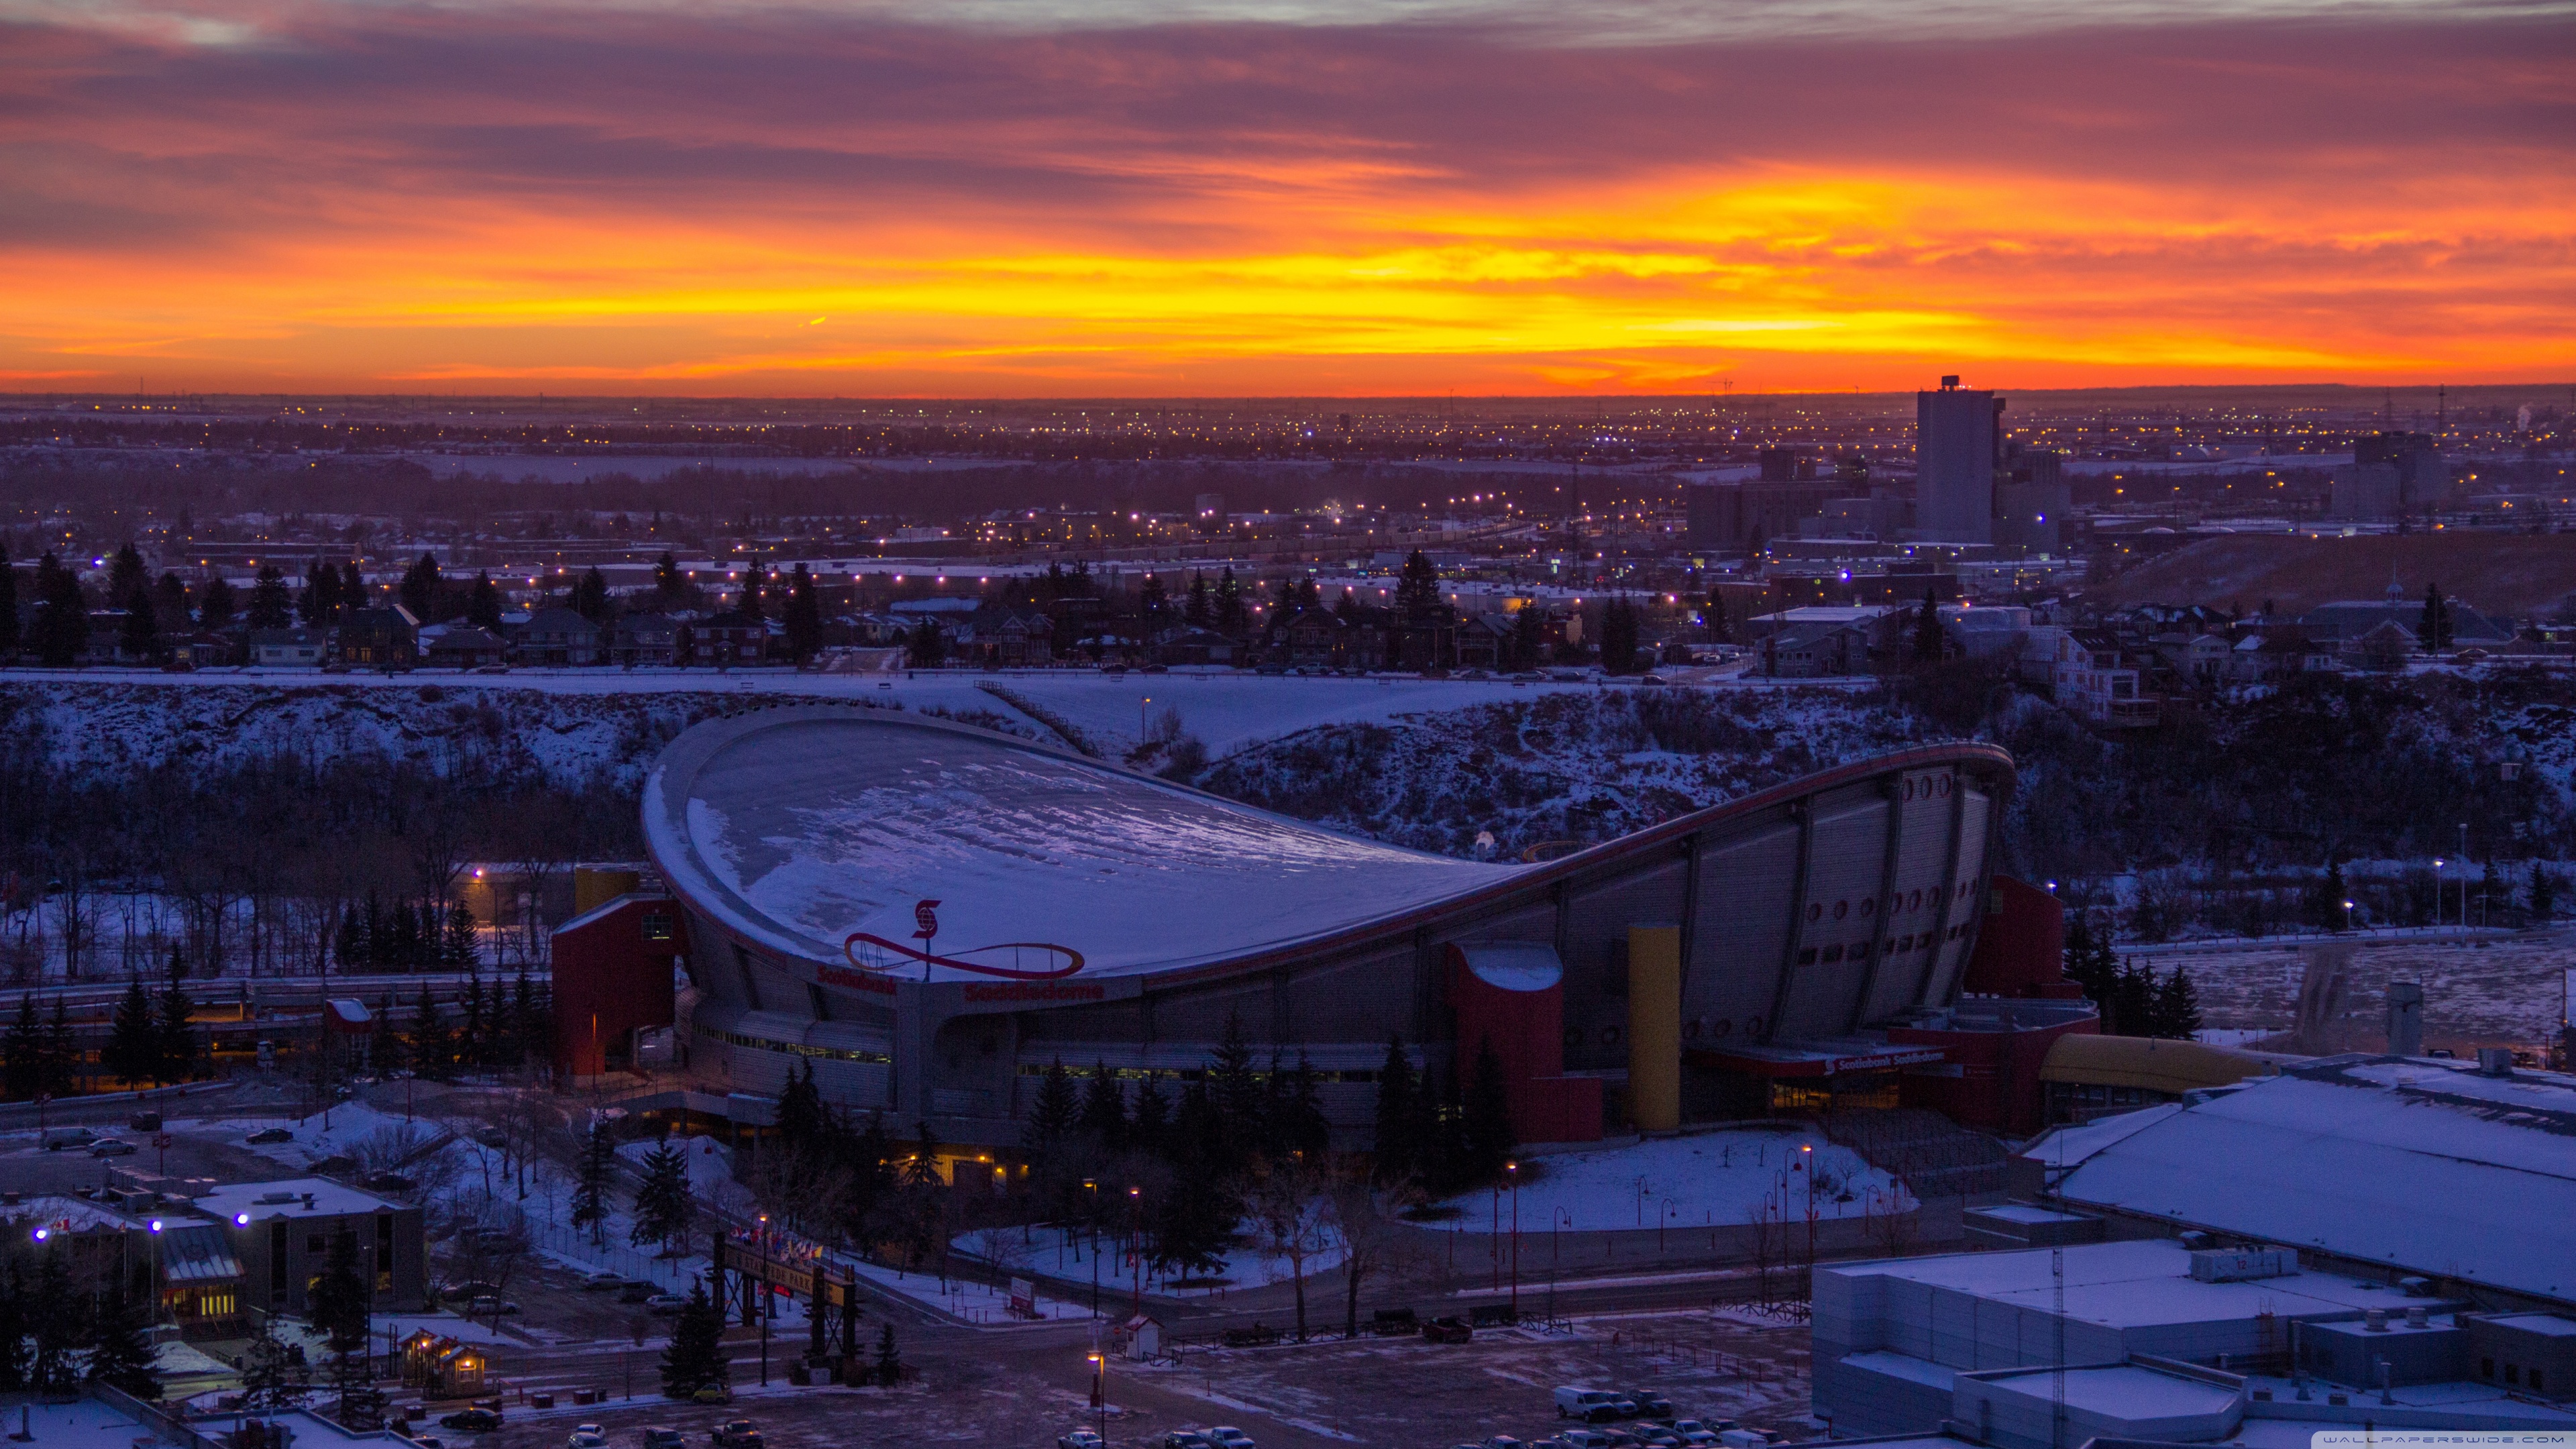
column 1100, row 1392
column 1513, row 1169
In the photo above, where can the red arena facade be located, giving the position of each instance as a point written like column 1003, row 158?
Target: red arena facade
column 931, row 914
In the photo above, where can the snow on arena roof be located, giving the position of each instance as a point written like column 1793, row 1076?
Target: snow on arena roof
column 797, row 827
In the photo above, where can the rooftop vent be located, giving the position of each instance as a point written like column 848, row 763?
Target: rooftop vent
column 2239, row 1265
column 268, row 1198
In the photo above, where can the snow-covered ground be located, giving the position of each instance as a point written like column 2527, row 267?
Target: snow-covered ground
column 1065, row 1253
column 1712, row 1178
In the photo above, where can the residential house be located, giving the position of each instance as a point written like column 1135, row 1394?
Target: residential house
column 2203, row 659
column 558, row 636
column 996, row 638
column 729, row 641
column 1815, row 651
column 2384, row 647
column 1194, row 646
column 644, row 639
column 2101, row 681
column 1485, row 642
column 2275, row 655
column 464, row 646
column 2343, row 623
column 290, row 648
column 386, row 638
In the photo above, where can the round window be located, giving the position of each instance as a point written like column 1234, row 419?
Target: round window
column 1917, row 899
column 1690, row 1029
column 1609, row 1036
column 1815, row 910
column 1753, row 1026
column 1722, row 1027
column 1909, row 789
column 1868, row 906
column 1841, row 909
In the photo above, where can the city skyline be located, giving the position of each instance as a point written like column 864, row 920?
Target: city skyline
column 1263, row 199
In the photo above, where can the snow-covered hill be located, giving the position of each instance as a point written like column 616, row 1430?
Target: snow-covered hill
column 1580, row 765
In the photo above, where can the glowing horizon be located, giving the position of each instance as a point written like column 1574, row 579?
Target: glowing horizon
column 1254, row 197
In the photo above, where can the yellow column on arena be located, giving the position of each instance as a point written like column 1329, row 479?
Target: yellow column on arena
column 596, row 886
column 1655, row 1027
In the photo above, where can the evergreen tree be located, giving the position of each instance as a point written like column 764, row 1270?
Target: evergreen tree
column 1235, row 1094
column 927, row 644
column 1151, row 1118
column 139, row 636
column 1151, row 602
column 748, row 607
column 121, row 1356
column 1417, row 591
column 1296, row 1110
column 889, row 1363
column 590, row 596
column 318, row 605
column 63, row 1057
column 1231, row 617
column 1712, row 615
column 215, row 603
column 664, row 1209
column 1052, row 1114
column 1529, row 635
column 1928, row 643
column 669, row 584
column 269, row 608
column 1197, row 612
column 598, row 1170
column 483, row 602
column 126, row 576
column 56, row 1326
column 17, row 1315
column 8, row 605
column 2176, row 1010
column 2133, row 1002
column 384, row 1047
column 695, row 1359
column 1619, row 635
column 458, row 946
column 62, row 623
column 433, row 1050
column 419, row 587
column 531, row 1017
column 474, row 1041
column 1103, row 1121
column 2433, row 629
column 1395, row 1159
column 349, row 942
column 803, row 1123
column 337, row 1302
column 2328, row 910
column 176, row 1040
column 1485, row 1134
column 803, row 617
column 354, row 593
column 133, row 1051
column 22, row 1053
column 2544, row 892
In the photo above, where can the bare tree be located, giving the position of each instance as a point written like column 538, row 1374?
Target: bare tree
column 1378, row 1248
column 1294, row 1218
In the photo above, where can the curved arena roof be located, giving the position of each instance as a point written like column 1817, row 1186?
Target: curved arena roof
column 798, row 827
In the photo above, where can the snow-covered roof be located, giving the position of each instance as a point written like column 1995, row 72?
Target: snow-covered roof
column 2420, row 1164
column 797, row 827
column 264, row 1200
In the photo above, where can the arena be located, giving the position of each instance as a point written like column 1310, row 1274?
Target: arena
column 931, row 914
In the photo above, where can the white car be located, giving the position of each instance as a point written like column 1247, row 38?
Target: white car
column 1226, row 1436
column 587, row 1436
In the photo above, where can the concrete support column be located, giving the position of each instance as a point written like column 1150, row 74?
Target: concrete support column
column 1655, row 1027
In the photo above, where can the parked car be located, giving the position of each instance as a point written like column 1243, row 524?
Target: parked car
column 662, row 1305
column 492, row 1305
column 1619, row 1438
column 1593, row 1405
column 586, row 1436
column 473, row 1421
column 1077, row 1439
column 58, row 1138
column 1451, row 1329
column 267, row 1136
column 1226, row 1436
column 712, row 1394
column 1585, row 1439
column 145, row 1121
column 733, row 1432
column 1503, row 1441
column 601, row 1282
column 640, row 1292
column 658, row 1436
column 1650, row 1405
column 1186, row 1439
column 111, row 1147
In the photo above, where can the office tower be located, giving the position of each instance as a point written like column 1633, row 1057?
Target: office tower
column 1955, row 433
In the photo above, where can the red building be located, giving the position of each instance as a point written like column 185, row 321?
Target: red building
column 1513, row 996
column 2015, row 1003
column 612, row 978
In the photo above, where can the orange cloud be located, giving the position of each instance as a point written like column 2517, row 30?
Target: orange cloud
column 342, row 197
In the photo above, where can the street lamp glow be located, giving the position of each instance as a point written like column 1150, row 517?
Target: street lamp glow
column 156, row 1225
column 241, row 1220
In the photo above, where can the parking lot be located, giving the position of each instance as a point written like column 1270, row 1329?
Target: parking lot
column 1025, row 1387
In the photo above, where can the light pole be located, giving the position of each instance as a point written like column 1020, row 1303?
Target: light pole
column 1100, row 1393
column 1561, row 1217
column 1807, row 1165
column 1136, row 1247
column 1513, row 1171
column 2464, row 875
column 2441, row 888
column 2347, row 915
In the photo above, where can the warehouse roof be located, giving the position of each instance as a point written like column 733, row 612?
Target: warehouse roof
column 2419, row 1164
column 797, row 828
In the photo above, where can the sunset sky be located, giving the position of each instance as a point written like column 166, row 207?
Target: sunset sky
column 1020, row 198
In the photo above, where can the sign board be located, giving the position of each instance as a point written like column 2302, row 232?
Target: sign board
column 1024, row 1298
